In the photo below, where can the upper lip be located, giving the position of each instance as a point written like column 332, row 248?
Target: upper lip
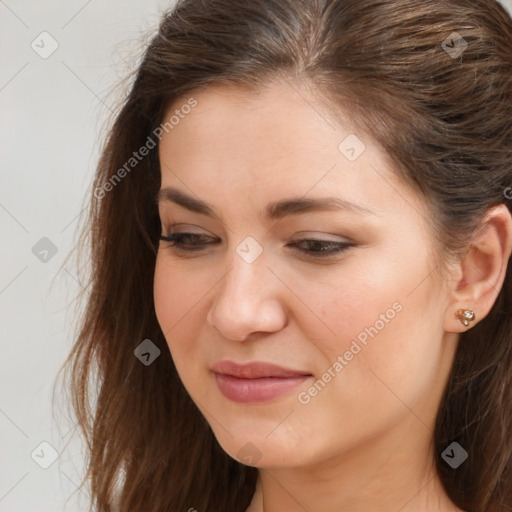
column 254, row 370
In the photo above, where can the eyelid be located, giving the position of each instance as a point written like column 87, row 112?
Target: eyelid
column 312, row 235
column 211, row 239
column 328, row 256
column 321, row 237
column 186, row 228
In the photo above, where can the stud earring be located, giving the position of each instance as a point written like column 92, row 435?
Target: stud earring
column 465, row 315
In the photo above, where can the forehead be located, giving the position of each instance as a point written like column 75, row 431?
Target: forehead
column 281, row 115
column 263, row 146
column 279, row 127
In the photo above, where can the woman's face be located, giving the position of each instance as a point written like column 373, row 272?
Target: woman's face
column 356, row 317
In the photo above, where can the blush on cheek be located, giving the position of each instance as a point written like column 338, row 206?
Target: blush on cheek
column 175, row 303
column 167, row 300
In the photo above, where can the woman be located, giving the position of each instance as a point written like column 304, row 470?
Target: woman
column 300, row 295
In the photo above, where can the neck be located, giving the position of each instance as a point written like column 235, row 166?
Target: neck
column 394, row 472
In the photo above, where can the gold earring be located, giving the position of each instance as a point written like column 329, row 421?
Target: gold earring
column 465, row 315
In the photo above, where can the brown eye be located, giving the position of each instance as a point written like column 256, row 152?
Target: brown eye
column 187, row 241
column 320, row 248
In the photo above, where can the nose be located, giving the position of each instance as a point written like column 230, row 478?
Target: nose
column 248, row 300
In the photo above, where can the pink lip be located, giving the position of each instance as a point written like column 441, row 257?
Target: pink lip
column 256, row 381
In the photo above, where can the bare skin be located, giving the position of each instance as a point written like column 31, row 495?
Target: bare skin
column 362, row 441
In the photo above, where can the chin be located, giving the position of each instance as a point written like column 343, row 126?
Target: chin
column 255, row 447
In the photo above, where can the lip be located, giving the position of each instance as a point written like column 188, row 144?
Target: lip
column 256, row 381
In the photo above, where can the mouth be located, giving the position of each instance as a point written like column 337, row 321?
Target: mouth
column 256, row 381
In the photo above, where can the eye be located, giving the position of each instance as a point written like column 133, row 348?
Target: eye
column 316, row 248
column 310, row 247
column 187, row 242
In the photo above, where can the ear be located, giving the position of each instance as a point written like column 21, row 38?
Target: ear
column 479, row 274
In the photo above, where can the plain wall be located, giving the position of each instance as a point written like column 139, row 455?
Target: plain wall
column 53, row 110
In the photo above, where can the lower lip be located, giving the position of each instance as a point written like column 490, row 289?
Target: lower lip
column 257, row 390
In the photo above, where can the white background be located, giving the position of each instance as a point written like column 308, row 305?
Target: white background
column 53, row 116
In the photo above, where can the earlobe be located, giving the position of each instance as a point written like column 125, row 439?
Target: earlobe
column 481, row 271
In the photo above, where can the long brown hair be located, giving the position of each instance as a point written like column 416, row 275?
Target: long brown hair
column 443, row 114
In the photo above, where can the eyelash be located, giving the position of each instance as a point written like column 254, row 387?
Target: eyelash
column 177, row 244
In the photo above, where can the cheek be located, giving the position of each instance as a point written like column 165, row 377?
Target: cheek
column 176, row 296
column 395, row 359
column 165, row 293
column 383, row 317
column 347, row 305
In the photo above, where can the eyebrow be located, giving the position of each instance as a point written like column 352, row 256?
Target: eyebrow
column 275, row 210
